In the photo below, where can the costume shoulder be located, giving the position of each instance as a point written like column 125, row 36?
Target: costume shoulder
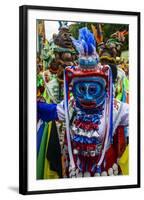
column 120, row 114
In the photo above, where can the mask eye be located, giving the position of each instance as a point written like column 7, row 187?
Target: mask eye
column 92, row 89
column 82, row 89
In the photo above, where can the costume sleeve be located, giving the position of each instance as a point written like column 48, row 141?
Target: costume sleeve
column 61, row 111
column 124, row 121
column 47, row 112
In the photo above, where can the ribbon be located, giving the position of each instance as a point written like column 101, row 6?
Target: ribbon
column 72, row 164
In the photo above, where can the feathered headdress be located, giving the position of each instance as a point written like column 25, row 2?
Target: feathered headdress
column 86, row 47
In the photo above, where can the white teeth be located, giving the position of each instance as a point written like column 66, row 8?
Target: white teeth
column 87, row 174
column 104, row 173
column 95, row 134
column 115, row 169
column 115, row 172
column 115, row 166
column 110, row 171
column 74, row 128
column 92, row 153
column 89, row 134
column 97, row 174
column 80, row 132
column 92, row 134
column 75, row 151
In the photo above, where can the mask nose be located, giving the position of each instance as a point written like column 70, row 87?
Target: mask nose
column 88, row 96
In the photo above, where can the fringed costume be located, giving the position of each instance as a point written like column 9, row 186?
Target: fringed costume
column 95, row 141
column 95, row 121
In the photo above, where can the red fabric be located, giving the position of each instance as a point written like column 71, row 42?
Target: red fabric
column 110, row 158
column 116, row 149
column 119, row 141
column 77, row 72
column 84, row 147
column 86, row 125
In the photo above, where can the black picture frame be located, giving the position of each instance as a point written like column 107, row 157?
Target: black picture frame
column 23, row 97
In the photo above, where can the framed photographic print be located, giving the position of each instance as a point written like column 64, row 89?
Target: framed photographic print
column 79, row 100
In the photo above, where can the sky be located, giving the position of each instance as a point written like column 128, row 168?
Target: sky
column 51, row 27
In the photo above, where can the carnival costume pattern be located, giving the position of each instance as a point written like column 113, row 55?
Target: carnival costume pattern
column 92, row 122
column 92, row 143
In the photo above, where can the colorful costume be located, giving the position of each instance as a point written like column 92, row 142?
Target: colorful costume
column 95, row 141
column 95, row 135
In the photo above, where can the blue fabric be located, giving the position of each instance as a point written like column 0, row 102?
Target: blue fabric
column 84, row 139
column 88, row 62
column 47, row 112
column 39, row 136
column 126, row 132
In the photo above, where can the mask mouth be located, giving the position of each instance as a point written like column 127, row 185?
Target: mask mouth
column 88, row 104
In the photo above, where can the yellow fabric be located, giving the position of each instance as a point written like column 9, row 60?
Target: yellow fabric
column 124, row 162
column 38, row 93
column 49, row 174
column 46, row 97
column 98, row 37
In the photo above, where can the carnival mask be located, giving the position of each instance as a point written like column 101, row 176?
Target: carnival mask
column 90, row 93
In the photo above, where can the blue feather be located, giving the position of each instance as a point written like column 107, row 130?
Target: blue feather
column 86, row 42
column 85, row 46
column 78, row 45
